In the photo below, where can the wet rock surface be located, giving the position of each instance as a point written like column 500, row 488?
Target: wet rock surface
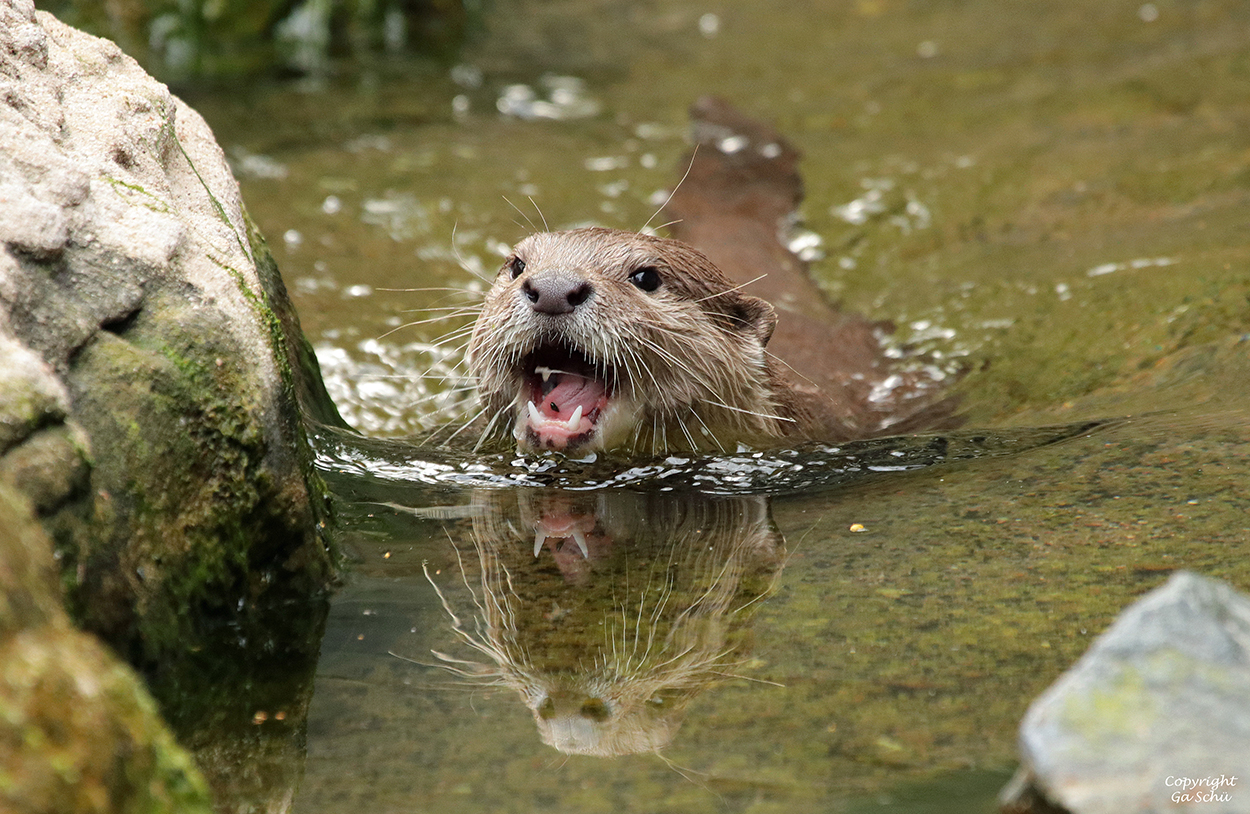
column 153, row 368
column 1153, row 717
column 152, row 381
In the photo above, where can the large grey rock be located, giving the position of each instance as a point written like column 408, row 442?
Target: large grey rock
column 152, row 374
column 152, row 368
column 1154, row 717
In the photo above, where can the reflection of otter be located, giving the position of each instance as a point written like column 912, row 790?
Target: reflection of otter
column 608, row 612
column 595, row 339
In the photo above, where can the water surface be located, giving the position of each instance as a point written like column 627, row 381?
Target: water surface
column 1053, row 196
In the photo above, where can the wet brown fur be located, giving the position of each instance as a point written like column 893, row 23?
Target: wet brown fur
column 713, row 365
column 692, row 351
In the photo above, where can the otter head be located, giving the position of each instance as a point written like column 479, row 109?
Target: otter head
column 597, row 339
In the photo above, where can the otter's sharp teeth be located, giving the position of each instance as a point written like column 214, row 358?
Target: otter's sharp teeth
column 580, row 539
column 535, row 416
column 545, row 372
column 575, row 420
column 539, row 539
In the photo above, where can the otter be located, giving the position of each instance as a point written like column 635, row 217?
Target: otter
column 599, row 339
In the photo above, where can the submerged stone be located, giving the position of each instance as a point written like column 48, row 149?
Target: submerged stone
column 1154, row 717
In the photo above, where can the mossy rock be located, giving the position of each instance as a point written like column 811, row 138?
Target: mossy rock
column 78, row 730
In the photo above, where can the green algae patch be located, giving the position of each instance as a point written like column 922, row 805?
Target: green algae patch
column 210, row 526
column 133, row 193
column 301, row 374
column 1111, row 713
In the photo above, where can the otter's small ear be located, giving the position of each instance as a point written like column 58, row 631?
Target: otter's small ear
column 755, row 316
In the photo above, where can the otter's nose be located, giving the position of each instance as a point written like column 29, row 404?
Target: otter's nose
column 556, row 292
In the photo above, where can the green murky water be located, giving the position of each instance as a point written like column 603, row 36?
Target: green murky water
column 1055, row 194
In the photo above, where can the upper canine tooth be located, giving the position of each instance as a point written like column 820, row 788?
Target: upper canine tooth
column 545, row 372
column 580, row 539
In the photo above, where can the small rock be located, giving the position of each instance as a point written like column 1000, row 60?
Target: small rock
column 1155, row 717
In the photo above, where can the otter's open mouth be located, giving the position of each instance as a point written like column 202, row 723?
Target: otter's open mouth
column 566, row 396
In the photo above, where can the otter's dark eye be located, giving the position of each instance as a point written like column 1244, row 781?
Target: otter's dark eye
column 515, row 266
column 646, row 278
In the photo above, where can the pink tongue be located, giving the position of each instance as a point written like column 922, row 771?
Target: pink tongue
column 569, row 393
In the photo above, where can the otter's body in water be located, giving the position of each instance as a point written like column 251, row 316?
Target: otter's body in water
column 598, row 339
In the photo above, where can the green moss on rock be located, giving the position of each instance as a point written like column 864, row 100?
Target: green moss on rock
column 78, row 731
column 188, row 468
